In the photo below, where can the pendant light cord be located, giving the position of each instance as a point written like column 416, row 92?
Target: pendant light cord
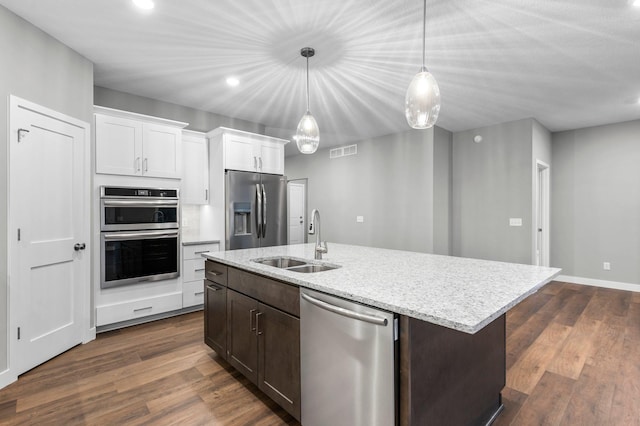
column 424, row 34
column 308, row 83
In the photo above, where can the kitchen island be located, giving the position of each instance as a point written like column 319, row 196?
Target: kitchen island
column 451, row 357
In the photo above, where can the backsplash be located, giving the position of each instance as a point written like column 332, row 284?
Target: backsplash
column 197, row 223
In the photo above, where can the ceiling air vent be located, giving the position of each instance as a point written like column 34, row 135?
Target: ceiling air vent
column 343, row 151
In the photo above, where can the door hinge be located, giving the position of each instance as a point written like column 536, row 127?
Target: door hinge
column 18, row 333
column 22, row 133
column 18, row 234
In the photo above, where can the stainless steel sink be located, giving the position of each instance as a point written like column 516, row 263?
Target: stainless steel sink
column 294, row 265
column 280, row 262
column 312, row 268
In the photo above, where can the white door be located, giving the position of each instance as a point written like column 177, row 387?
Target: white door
column 49, row 211
column 296, row 200
column 542, row 214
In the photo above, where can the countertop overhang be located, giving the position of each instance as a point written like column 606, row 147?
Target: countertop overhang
column 459, row 293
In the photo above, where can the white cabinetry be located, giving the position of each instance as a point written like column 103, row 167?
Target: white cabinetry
column 193, row 273
column 139, row 308
column 250, row 152
column 195, row 168
column 137, row 145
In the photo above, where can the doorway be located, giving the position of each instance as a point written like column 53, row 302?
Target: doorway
column 296, row 211
column 49, row 224
column 541, row 230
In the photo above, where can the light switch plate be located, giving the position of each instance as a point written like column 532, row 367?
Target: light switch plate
column 359, row 219
column 515, row 221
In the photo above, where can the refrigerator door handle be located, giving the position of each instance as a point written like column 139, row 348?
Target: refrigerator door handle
column 264, row 212
column 259, row 208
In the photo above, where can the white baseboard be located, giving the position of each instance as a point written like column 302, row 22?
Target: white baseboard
column 598, row 283
column 6, row 378
column 89, row 335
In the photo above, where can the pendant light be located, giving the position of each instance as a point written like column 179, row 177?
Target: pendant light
column 307, row 135
column 422, row 102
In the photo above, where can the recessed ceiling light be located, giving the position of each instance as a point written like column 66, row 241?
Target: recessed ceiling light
column 144, row 4
column 233, row 81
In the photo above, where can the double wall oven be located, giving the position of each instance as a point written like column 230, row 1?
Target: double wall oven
column 139, row 235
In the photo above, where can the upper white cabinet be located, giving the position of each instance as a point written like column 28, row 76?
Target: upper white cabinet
column 137, row 145
column 249, row 151
column 195, row 168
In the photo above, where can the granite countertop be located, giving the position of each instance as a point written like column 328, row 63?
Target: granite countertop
column 458, row 293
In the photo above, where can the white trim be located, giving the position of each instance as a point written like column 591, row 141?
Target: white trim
column 599, row 283
column 543, row 168
column 135, row 116
column 6, row 378
column 89, row 335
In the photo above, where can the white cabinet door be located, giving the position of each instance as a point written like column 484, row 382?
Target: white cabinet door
column 162, row 151
column 271, row 157
column 240, row 153
column 118, row 145
column 195, row 168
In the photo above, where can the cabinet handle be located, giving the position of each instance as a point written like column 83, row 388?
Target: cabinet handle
column 142, row 309
column 258, row 332
column 213, row 288
column 260, row 159
column 198, row 270
column 146, row 164
column 137, row 164
column 198, row 293
column 251, row 327
column 200, row 252
column 206, row 195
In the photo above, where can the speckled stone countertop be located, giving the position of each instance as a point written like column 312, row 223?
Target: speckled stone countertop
column 459, row 293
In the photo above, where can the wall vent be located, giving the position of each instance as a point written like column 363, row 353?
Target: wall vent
column 343, row 151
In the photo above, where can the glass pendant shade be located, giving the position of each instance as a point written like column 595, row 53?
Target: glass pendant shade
column 307, row 135
column 422, row 102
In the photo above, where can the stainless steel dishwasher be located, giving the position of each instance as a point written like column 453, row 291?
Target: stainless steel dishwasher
column 348, row 362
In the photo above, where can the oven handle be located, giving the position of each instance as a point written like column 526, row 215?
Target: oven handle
column 139, row 235
column 141, row 203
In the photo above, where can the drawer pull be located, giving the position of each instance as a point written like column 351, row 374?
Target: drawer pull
column 214, row 288
column 198, row 270
column 143, row 309
column 200, row 252
column 215, row 273
column 198, row 293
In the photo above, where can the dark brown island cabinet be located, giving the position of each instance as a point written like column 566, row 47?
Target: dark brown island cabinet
column 445, row 377
column 253, row 322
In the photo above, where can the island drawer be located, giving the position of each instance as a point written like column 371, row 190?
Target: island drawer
column 271, row 292
column 216, row 272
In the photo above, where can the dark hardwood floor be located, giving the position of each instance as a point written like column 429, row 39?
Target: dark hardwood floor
column 573, row 358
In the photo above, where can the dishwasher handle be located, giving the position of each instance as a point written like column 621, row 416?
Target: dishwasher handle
column 345, row 312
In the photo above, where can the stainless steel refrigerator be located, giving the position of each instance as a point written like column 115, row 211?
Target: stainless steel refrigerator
column 256, row 210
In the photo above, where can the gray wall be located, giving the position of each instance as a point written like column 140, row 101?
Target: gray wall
column 198, row 120
column 38, row 68
column 492, row 182
column 390, row 182
column 595, row 204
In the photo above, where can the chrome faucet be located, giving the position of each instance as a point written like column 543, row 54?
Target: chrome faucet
column 321, row 247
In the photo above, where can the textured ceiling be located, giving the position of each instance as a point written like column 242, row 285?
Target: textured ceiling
column 568, row 63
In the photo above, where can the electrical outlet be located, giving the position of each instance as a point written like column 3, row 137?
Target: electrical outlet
column 515, row 221
column 606, row 266
column 360, row 219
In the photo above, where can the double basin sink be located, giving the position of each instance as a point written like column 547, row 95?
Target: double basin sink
column 295, row 265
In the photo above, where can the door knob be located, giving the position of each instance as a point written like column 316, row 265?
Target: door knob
column 79, row 246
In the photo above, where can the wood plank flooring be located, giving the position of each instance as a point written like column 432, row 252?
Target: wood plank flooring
column 573, row 358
